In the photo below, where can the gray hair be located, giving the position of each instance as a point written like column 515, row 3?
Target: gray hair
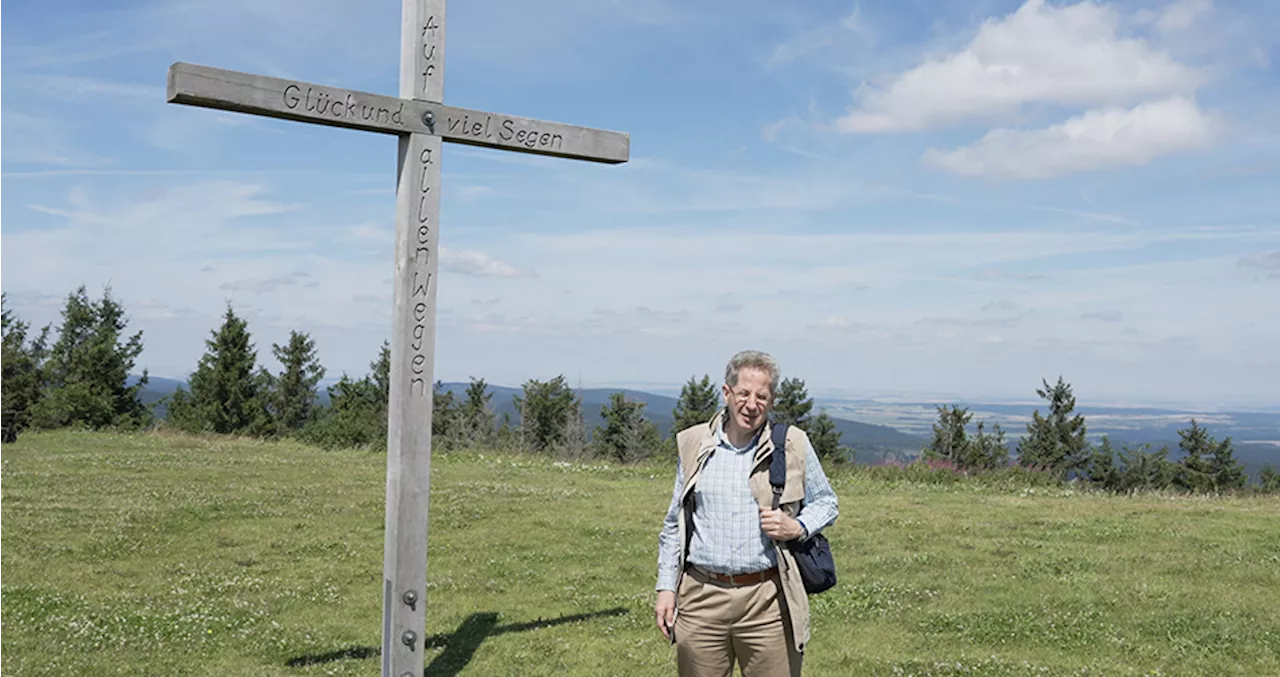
column 753, row 359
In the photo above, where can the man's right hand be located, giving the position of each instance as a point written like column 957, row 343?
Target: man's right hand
column 664, row 611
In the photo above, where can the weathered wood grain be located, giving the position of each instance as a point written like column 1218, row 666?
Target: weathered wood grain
column 207, row 87
column 413, row 338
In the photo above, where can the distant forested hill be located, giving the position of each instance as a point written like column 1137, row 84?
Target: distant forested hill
column 157, row 388
column 876, row 442
column 870, row 442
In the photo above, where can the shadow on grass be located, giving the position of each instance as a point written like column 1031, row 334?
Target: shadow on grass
column 460, row 645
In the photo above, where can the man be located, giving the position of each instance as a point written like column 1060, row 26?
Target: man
column 728, row 587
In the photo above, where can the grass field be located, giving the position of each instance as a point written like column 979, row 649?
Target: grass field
column 159, row 555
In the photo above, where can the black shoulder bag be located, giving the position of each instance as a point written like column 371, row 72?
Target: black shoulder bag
column 813, row 555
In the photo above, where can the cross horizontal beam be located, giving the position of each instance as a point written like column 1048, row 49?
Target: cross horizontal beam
column 222, row 89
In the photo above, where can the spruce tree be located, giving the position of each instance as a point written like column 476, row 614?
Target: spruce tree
column 294, row 395
column 357, row 413
column 1194, row 473
column 574, row 442
column 1269, row 479
column 444, row 417
column 986, row 450
column 87, row 372
column 23, row 366
column 225, row 395
column 1224, row 468
column 1102, row 471
column 950, row 441
column 1145, row 469
column 793, row 404
column 626, row 435
column 477, row 416
column 1057, row 442
column 699, row 401
column 355, row 417
column 825, row 438
column 545, row 411
column 381, row 373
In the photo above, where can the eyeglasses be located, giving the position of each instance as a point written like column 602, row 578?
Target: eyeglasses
column 744, row 396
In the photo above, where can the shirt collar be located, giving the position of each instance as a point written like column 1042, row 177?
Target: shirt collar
column 722, row 439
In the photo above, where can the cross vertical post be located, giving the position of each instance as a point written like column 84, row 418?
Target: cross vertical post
column 412, row 347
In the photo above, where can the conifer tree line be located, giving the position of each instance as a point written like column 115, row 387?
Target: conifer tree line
column 1056, row 444
column 81, row 378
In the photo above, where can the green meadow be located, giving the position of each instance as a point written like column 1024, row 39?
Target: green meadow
column 156, row 554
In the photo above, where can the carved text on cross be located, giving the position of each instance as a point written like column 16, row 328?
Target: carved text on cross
column 429, row 29
column 421, row 121
column 306, row 102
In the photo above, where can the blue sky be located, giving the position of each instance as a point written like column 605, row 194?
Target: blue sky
column 940, row 199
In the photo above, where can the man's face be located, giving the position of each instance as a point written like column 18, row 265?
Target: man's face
column 750, row 399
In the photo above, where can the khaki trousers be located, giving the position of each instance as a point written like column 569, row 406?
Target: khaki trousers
column 719, row 624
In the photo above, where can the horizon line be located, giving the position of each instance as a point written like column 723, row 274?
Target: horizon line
column 902, row 397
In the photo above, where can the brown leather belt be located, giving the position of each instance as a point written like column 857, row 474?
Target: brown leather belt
column 738, row 579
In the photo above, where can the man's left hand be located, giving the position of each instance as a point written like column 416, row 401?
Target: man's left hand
column 779, row 525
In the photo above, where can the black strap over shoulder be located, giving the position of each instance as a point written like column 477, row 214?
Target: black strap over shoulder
column 778, row 464
column 813, row 555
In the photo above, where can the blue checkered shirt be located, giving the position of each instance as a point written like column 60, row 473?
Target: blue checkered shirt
column 726, row 535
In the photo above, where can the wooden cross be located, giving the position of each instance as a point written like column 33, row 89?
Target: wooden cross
column 421, row 121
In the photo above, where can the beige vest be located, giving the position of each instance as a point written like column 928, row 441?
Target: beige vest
column 696, row 444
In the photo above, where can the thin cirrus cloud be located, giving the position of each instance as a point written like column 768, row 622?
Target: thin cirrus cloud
column 78, row 88
column 266, row 285
column 1268, row 263
column 1138, row 100
column 477, row 263
column 41, row 139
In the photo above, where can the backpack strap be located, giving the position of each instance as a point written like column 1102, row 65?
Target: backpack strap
column 778, row 464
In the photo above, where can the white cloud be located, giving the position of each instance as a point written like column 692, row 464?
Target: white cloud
column 1103, row 315
column 770, row 131
column 666, row 188
column 199, row 208
column 970, row 322
column 1181, row 15
column 81, row 88
column 528, row 323
column 1040, row 54
column 480, row 264
column 152, row 309
column 1109, row 137
column 264, row 285
column 973, row 201
column 472, row 192
column 1268, row 262
column 45, row 139
column 838, row 324
column 370, row 231
column 822, row 41
column 993, row 275
column 565, row 314
column 1000, row 305
column 174, row 233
